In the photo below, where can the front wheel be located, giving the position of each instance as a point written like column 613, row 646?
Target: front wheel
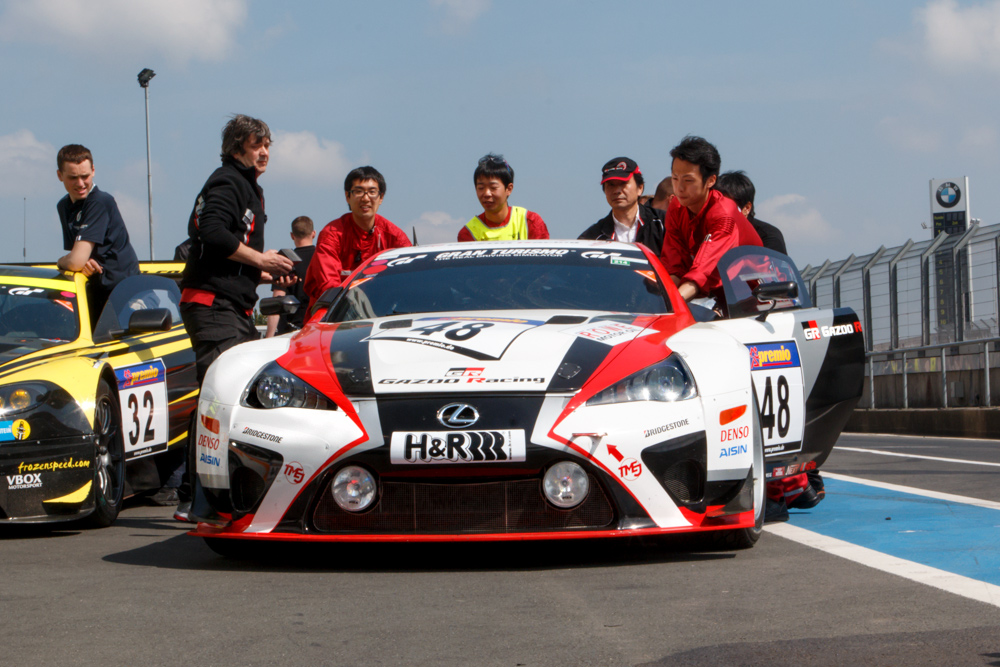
column 109, row 467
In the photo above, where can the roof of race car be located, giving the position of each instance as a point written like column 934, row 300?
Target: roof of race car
column 37, row 272
column 494, row 245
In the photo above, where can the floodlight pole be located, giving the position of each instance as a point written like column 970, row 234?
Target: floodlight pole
column 144, row 77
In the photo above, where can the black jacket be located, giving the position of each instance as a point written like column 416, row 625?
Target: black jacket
column 769, row 235
column 229, row 210
column 650, row 232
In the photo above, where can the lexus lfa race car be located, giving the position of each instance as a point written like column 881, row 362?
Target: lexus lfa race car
column 88, row 400
column 524, row 391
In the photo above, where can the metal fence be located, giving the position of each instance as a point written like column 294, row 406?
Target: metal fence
column 928, row 307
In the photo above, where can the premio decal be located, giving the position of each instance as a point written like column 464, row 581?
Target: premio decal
column 776, row 371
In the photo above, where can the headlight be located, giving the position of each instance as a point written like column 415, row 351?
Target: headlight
column 566, row 484
column 353, row 489
column 669, row 380
column 274, row 387
column 16, row 398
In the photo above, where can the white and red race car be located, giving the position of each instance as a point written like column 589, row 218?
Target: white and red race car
column 524, row 390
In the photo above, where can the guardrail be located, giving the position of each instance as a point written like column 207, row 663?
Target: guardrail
column 914, row 353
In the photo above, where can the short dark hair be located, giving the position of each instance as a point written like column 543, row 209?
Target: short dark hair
column 74, row 153
column 302, row 226
column 238, row 130
column 664, row 189
column 698, row 151
column 737, row 186
column 364, row 174
column 493, row 165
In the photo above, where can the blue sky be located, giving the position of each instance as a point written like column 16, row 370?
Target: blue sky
column 840, row 112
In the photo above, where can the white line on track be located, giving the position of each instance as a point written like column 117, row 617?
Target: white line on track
column 947, row 497
column 923, row 574
column 918, row 456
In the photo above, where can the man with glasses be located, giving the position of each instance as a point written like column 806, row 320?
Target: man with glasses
column 355, row 236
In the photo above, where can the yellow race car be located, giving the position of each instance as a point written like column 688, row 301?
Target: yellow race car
column 88, row 401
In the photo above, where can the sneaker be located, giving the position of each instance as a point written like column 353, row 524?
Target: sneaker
column 775, row 510
column 165, row 496
column 808, row 498
column 183, row 513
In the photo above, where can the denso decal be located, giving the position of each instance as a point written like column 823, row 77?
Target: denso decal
column 773, row 355
column 457, row 446
column 69, row 464
column 738, row 433
column 208, row 442
column 294, row 472
column 262, row 435
column 210, row 460
column 735, row 450
column 29, row 481
column 650, row 432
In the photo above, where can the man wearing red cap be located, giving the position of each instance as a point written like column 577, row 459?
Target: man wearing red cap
column 701, row 223
column 629, row 221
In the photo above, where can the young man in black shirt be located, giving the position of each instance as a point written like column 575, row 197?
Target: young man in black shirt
column 737, row 186
column 303, row 236
column 93, row 230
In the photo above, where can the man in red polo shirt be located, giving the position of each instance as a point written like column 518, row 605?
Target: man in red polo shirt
column 355, row 236
column 701, row 224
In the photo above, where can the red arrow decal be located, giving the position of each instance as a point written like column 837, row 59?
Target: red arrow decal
column 615, row 453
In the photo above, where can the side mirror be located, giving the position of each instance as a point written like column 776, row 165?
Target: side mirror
column 279, row 305
column 146, row 321
column 773, row 292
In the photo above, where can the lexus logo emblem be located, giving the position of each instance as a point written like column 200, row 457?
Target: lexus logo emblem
column 458, row 415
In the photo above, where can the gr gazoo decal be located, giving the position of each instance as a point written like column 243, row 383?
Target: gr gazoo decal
column 813, row 331
column 479, row 338
column 142, row 390
column 777, row 377
column 457, row 447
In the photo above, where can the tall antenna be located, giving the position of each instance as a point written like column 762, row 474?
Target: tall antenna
column 24, row 251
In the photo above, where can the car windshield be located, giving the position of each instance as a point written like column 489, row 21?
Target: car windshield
column 505, row 278
column 38, row 314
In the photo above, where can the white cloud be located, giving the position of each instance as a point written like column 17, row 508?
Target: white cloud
column 436, row 227
column 180, row 30
column 801, row 224
column 27, row 165
column 304, row 157
column 135, row 213
column 459, row 15
column 964, row 36
column 979, row 139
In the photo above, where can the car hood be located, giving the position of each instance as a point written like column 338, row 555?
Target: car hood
column 482, row 352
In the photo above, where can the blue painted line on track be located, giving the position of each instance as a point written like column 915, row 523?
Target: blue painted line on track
column 954, row 537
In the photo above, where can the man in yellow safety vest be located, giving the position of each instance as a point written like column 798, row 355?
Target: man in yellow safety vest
column 494, row 181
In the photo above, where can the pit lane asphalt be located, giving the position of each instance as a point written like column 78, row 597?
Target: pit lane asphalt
column 143, row 592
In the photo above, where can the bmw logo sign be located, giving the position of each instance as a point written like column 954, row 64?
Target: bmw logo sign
column 948, row 195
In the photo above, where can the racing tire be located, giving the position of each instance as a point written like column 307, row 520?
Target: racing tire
column 109, row 465
column 745, row 538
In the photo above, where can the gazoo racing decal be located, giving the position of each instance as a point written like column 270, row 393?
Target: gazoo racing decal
column 479, row 338
column 426, row 447
column 813, row 331
column 142, row 389
column 609, row 333
column 777, row 377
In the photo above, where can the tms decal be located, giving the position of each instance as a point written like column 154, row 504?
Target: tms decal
column 629, row 469
column 294, row 472
column 18, row 482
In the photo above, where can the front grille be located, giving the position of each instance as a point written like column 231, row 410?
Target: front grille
column 489, row 507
